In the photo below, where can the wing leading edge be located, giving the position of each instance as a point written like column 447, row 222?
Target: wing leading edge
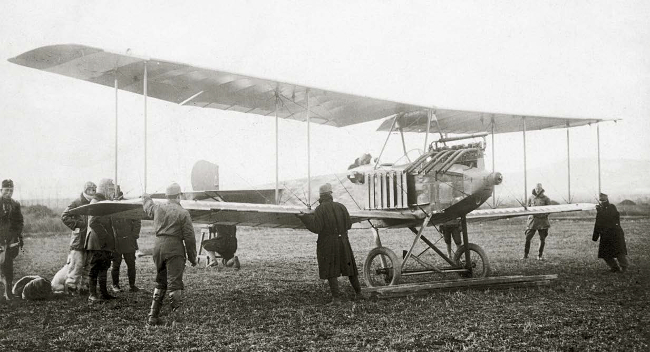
column 209, row 88
column 241, row 214
column 284, row 216
column 503, row 213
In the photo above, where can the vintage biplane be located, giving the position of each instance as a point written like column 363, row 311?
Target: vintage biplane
column 442, row 184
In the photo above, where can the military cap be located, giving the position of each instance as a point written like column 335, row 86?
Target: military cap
column 7, row 183
column 326, row 188
column 173, row 189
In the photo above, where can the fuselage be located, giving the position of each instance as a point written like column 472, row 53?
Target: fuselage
column 449, row 181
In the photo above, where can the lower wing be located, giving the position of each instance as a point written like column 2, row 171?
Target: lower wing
column 243, row 214
column 503, row 213
column 285, row 216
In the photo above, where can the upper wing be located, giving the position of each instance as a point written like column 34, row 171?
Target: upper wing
column 207, row 88
column 459, row 121
column 243, row 214
column 502, row 213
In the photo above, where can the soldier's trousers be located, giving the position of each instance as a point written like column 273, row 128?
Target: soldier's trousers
column 7, row 257
column 169, row 272
column 129, row 258
column 530, row 233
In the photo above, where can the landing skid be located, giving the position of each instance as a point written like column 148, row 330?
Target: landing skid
column 384, row 268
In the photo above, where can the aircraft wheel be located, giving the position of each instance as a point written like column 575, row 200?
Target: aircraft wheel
column 382, row 267
column 479, row 261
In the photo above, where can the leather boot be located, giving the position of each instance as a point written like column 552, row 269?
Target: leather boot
column 92, row 289
column 233, row 262
column 176, row 301
column 103, row 289
column 156, row 304
column 8, row 294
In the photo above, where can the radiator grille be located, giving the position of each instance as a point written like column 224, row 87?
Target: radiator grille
column 387, row 190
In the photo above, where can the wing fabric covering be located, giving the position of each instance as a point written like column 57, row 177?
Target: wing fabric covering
column 208, row 88
column 284, row 216
column 503, row 213
column 465, row 122
column 241, row 214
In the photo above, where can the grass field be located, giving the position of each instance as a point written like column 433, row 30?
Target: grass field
column 276, row 302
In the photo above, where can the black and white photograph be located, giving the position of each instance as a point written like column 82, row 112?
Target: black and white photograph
column 325, row 175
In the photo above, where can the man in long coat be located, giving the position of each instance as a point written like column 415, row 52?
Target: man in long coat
column 538, row 222
column 11, row 235
column 612, row 238
column 331, row 221
column 100, row 244
column 76, row 280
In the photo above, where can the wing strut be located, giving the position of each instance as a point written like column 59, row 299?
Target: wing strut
column 401, row 133
column 308, row 153
column 277, row 181
column 426, row 137
column 494, row 189
column 568, row 163
column 387, row 137
column 598, row 141
column 116, row 126
column 523, row 118
column 144, row 93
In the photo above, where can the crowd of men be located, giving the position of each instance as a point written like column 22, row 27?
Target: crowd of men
column 100, row 242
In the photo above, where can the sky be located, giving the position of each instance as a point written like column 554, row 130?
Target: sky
column 552, row 58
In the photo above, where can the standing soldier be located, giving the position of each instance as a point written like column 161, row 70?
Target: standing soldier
column 331, row 221
column 11, row 235
column 76, row 280
column 612, row 238
column 537, row 222
column 127, row 232
column 100, row 244
column 172, row 226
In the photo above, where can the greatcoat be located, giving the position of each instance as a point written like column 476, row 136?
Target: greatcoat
column 608, row 229
column 331, row 221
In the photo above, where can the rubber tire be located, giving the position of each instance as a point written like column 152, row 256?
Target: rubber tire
column 460, row 254
column 397, row 265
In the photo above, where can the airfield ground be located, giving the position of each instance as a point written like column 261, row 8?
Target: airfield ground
column 276, row 302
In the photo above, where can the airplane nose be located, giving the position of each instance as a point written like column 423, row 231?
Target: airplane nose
column 498, row 178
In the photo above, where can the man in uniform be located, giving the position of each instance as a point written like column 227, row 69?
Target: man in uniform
column 100, row 244
column 76, row 280
column 172, row 226
column 537, row 222
column 331, row 221
column 225, row 244
column 612, row 238
column 127, row 232
column 11, row 235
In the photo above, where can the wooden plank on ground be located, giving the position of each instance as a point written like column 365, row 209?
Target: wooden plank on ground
column 475, row 283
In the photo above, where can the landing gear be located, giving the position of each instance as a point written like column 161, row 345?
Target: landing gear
column 382, row 267
column 479, row 266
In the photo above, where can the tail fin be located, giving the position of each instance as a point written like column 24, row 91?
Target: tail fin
column 205, row 176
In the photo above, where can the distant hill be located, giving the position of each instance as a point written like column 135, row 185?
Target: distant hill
column 621, row 179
